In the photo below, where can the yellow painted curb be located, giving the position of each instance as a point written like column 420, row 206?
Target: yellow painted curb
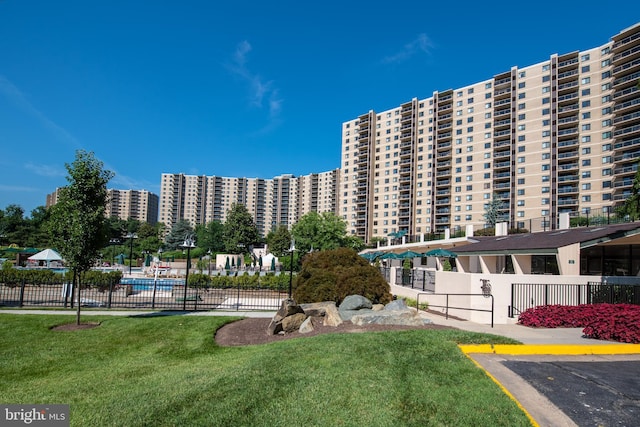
column 551, row 349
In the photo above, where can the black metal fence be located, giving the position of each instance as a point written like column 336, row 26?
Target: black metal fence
column 424, row 280
column 612, row 291
column 166, row 294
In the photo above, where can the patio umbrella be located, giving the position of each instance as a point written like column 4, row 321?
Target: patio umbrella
column 273, row 264
column 409, row 254
column 389, row 255
column 441, row 253
column 226, row 264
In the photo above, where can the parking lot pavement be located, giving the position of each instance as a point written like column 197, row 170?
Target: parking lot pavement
column 559, row 390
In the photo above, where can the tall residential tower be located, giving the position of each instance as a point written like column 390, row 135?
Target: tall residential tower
column 559, row 136
column 281, row 200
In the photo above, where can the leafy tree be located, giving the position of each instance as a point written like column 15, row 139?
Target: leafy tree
column 11, row 223
column 631, row 205
column 239, row 231
column 77, row 222
column 178, row 232
column 321, row 231
column 210, row 236
column 35, row 233
column 279, row 241
column 354, row 242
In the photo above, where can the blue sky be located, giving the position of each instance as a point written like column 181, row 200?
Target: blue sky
column 242, row 88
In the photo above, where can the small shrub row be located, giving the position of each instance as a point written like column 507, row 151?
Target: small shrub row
column 242, row 281
column 613, row 322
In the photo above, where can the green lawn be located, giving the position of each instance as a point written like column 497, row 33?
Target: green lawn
column 168, row 371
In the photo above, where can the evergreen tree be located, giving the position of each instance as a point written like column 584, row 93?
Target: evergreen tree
column 178, row 233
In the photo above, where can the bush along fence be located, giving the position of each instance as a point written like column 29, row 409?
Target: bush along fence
column 611, row 290
column 24, row 288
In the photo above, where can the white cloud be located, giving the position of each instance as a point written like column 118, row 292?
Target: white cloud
column 15, row 95
column 260, row 89
column 421, row 44
column 17, row 188
column 46, row 170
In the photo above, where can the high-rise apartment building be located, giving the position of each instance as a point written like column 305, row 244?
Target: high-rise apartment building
column 559, row 136
column 140, row 205
column 281, row 200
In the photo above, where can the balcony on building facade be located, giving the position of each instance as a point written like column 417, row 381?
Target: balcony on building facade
column 566, row 189
column 564, row 201
column 568, row 155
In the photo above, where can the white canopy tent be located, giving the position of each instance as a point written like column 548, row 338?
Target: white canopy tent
column 47, row 255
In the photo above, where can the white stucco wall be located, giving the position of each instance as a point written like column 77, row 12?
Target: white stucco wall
column 470, row 283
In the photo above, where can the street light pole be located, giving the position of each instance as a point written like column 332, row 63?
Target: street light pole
column 189, row 242
column 292, row 249
column 209, row 254
column 131, row 236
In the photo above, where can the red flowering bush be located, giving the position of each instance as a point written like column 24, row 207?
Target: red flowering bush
column 614, row 322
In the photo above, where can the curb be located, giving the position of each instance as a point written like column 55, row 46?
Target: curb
column 551, row 349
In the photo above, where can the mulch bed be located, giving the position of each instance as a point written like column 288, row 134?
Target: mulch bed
column 252, row 331
column 75, row 327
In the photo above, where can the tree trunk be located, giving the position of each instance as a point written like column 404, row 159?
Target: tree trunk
column 76, row 281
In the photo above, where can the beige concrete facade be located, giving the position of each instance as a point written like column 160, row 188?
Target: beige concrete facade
column 141, row 205
column 281, row 200
column 559, row 136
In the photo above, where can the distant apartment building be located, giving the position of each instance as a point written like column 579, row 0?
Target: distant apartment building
column 140, row 205
column 281, row 200
column 562, row 135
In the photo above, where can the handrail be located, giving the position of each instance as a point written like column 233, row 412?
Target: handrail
column 446, row 307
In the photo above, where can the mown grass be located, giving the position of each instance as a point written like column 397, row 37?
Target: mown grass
column 168, row 371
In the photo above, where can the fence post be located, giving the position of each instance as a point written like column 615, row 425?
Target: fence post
column 238, row 297
column 22, row 293
column 110, row 292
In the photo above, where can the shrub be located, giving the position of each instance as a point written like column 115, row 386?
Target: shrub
column 614, row 322
column 335, row 274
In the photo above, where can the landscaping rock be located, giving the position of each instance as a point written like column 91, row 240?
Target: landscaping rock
column 390, row 317
column 307, row 326
column 327, row 310
column 398, row 304
column 355, row 302
column 287, row 308
column 292, row 323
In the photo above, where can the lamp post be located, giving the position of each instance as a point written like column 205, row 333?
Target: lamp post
column 291, row 249
column 131, row 236
column 159, row 256
column 209, row 255
column 189, row 242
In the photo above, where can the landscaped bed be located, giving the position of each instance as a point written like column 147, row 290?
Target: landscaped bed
column 612, row 322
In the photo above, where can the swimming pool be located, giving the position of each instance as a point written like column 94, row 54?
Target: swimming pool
column 141, row 284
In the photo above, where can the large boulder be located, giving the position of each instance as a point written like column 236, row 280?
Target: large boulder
column 390, row 317
column 355, row 302
column 288, row 308
column 326, row 310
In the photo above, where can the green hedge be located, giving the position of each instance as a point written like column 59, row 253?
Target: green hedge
column 241, row 281
column 13, row 277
